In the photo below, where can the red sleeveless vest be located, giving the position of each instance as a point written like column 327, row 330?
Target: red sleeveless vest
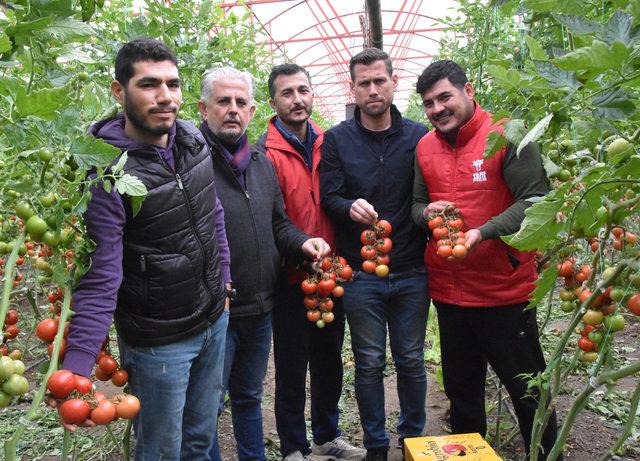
column 493, row 274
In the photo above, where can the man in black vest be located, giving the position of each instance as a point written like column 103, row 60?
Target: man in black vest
column 259, row 231
column 164, row 268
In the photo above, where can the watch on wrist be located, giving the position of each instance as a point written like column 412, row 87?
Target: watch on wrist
column 231, row 294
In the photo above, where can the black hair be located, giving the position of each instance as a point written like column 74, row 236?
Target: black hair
column 368, row 57
column 438, row 70
column 140, row 49
column 284, row 69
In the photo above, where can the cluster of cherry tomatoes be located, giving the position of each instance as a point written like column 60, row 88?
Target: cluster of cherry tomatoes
column 108, row 368
column 318, row 289
column 77, row 402
column 10, row 330
column 376, row 247
column 446, row 228
column 12, row 381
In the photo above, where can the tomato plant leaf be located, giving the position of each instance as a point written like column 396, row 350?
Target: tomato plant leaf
column 41, row 104
column 596, row 58
column 495, row 142
column 5, row 43
column 539, row 226
column 514, row 131
column 509, row 78
column 88, row 9
column 71, row 54
column 24, row 29
column 89, row 152
column 120, row 163
column 535, row 133
column 577, row 24
column 535, row 50
column 136, row 204
column 557, row 78
column 545, row 283
column 614, row 104
column 68, row 28
column 130, row 185
column 618, row 28
column 541, row 6
column 550, row 167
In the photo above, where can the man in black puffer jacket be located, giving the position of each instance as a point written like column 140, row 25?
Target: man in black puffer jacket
column 258, row 232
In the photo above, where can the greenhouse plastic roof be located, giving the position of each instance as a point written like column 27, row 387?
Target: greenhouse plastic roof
column 322, row 35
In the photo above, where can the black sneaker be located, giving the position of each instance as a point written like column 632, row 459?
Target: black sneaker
column 377, row 454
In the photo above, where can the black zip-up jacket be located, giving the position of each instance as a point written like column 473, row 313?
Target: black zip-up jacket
column 354, row 165
column 258, row 230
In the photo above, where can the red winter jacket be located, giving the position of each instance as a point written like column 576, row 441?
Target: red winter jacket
column 300, row 189
column 493, row 274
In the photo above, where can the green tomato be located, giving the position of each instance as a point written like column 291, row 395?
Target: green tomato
column 564, row 175
column 16, row 385
column 614, row 323
column 24, row 210
column 567, row 306
column 602, row 213
column 635, row 279
column 588, row 356
column 36, row 227
column 617, row 294
column 596, row 336
column 22, row 250
column 5, row 399
column 82, row 76
column 19, row 367
column 4, row 249
column 45, row 155
column 7, row 368
column 51, row 239
column 619, row 146
column 48, row 200
column 320, row 323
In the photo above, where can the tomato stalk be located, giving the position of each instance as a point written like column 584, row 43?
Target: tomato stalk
column 628, row 426
column 10, row 445
column 581, row 401
column 8, row 275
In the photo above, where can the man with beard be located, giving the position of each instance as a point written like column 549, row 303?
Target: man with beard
column 258, row 232
column 482, row 299
column 163, row 269
column 292, row 142
column 366, row 173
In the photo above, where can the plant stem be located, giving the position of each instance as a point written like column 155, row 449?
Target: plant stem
column 8, row 274
column 628, row 426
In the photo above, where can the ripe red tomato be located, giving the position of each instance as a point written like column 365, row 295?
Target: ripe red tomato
column 434, row 222
column 61, row 383
column 455, row 223
column 11, row 317
column 326, row 264
column 308, row 286
column 74, row 411
column 313, row 315
column 368, row 252
column 11, row 331
column 310, row 302
column 368, row 237
column 617, row 232
column 47, row 329
column 369, row 266
column 440, row 232
column 104, row 413
column 337, row 292
column 325, row 287
column 127, row 406
column 633, row 303
column 565, row 269
column 459, row 251
column 327, row 317
column 586, row 345
column 63, row 346
column 444, row 251
column 120, row 377
column 326, row 304
column 383, row 228
column 345, row 273
column 108, row 364
column 384, row 245
column 83, row 384
column 101, row 374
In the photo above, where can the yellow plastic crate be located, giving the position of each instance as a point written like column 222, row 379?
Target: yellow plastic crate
column 467, row 447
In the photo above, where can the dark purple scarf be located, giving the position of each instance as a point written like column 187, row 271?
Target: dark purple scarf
column 238, row 155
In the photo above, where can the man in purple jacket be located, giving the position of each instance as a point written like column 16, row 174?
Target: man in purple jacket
column 163, row 273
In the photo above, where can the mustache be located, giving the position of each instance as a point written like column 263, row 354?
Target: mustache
column 446, row 113
column 170, row 108
column 231, row 120
column 299, row 107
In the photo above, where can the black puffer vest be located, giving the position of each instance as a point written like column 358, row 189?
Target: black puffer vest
column 172, row 286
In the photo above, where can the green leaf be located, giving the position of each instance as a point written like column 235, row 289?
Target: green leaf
column 614, row 104
column 509, row 78
column 74, row 54
column 90, row 152
column 5, row 43
column 535, row 50
column 130, row 185
column 596, row 58
column 538, row 228
column 579, row 25
column 68, row 28
column 41, row 104
column 88, row 9
column 557, row 78
column 535, row 133
column 120, row 164
column 541, row 6
column 514, row 131
column 136, row 204
column 82, row 204
column 550, row 167
column 495, row 142
column 618, row 28
column 545, row 283
column 107, row 186
column 26, row 28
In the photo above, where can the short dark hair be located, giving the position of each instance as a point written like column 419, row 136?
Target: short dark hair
column 438, row 70
column 140, row 49
column 368, row 57
column 288, row 68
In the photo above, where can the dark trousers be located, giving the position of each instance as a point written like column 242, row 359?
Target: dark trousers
column 506, row 337
column 298, row 344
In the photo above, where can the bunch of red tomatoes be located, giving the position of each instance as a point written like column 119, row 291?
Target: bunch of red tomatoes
column 376, row 247
column 446, row 228
column 319, row 289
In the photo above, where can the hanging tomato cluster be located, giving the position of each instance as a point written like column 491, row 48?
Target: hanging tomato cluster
column 376, row 247
column 12, row 381
column 319, row 289
column 446, row 228
column 77, row 401
column 10, row 330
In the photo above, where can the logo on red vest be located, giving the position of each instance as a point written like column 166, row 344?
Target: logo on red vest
column 479, row 175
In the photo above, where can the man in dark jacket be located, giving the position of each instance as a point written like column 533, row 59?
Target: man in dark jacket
column 163, row 270
column 366, row 173
column 258, row 230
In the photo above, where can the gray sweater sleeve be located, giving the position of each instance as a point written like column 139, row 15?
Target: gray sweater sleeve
column 526, row 178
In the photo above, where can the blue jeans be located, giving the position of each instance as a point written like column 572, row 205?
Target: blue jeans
column 245, row 366
column 174, row 382
column 401, row 303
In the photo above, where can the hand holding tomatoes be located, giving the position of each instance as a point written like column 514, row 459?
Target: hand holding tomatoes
column 322, row 286
column 446, row 226
column 316, row 248
column 363, row 212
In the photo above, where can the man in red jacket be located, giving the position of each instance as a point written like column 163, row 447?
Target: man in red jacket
column 292, row 143
column 481, row 299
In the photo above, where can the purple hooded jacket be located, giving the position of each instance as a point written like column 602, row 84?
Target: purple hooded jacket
column 94, row 299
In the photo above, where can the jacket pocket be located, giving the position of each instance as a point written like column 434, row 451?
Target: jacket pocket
column 169, row 286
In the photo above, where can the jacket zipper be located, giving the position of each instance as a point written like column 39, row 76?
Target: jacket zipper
column 191, row 223
column 143, row 264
